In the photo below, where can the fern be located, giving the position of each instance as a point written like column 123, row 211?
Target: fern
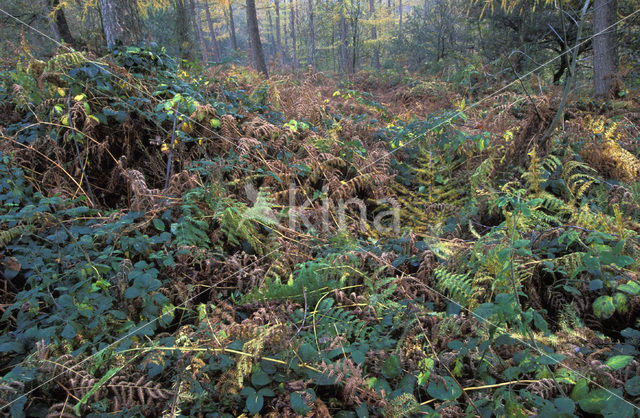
column 310, row 281
column 189, row 232
column 458, row 287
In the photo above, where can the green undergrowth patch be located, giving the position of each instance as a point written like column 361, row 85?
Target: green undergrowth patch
column 481, row 274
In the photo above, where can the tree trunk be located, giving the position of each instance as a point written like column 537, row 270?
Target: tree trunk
column 344, row 60
column 354, row 39
column 214, row 41
column 294, row 47
column 278, row 37
column 272, row 39
column 58, row 22
column 232, row 27
column 375, row 60
column 312, row 35
column 254, row 35
column 196, row 22
column 400, row 20
column 605, row 53
column 182, row 26
column 120, row 22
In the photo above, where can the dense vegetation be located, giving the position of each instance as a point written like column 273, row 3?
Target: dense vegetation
column 404, row 213
column 508, row 284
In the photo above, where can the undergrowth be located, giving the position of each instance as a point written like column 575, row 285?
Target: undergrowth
column 184, row 242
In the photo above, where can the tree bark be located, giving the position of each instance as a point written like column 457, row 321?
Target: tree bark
column 58, row 22
column 214, row 41
column 344, row 60
column 375, row 59
column 294, row 47
column 278, row 37
column 182, row 27
column 254, row 35
column 605, row 53
column 400, row 20
column 272, row 39
column 312, row 35
column 232, row 27
column 196, row 22
column 120, row 22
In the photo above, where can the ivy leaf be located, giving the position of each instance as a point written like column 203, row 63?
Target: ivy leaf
column 618, row 362
column 445, row 391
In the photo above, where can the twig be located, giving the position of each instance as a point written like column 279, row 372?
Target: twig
column 91, row 197
column 173, row 136
column 569, row 81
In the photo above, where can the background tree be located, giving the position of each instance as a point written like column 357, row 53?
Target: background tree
column 254, row 36
column 605, row 47
column 120, row 22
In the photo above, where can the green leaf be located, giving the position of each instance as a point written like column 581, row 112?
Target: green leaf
column 621, row 302
column 633, row 386
column 215, row 123
column 158, row 224
column 260, row 378
column 68, row 332
column 618, row 362
column 266, row 392
column 580, row 390
column 298, row 404
column 357, row 356
column 445, row 391
column 391, row 367
column 596, row 401
column 565, row 405
column 254, row 402
column 603, row 307
column 307, row 353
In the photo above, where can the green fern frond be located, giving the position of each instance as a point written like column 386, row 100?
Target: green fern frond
column 12, row 233
column 458, row 287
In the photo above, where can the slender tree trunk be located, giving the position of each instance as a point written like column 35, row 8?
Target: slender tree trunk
column 354, row 40
column 605, row 48
column 217, row 56
column 254, row 35
column 272, row 39
column 185, row 47
column 232, row 27
column 285, row 51
column 375, row 60
column 278, row 37
column 400, row 19
column 196, row 23
column 120, row 22
column 312, row 35
column 344, row 60
column 294, row 46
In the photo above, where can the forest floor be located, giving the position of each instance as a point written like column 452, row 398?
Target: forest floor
column 180, row 240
